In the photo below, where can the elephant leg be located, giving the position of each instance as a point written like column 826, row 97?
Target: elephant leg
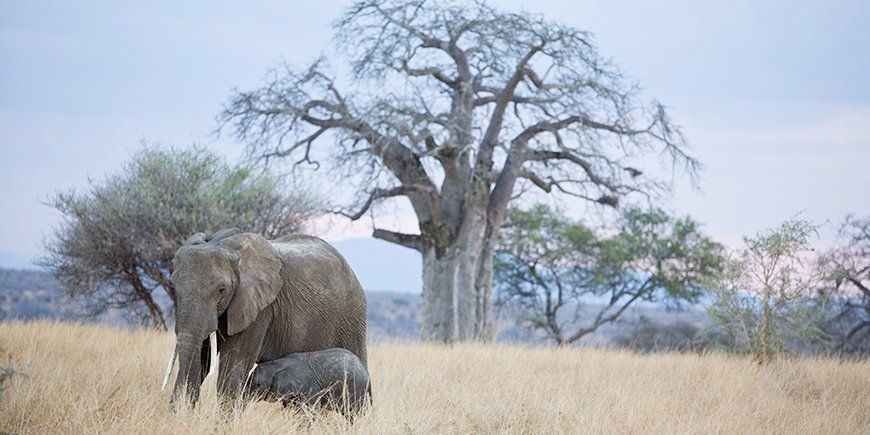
column 238, row 354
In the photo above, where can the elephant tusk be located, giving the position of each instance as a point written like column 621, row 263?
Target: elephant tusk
column 248, row 377
column 212, row 360
column 169, row 366
column 254, row 367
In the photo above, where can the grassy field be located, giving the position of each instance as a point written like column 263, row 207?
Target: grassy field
column 94, row 379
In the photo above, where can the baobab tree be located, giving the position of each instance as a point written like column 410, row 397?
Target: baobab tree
column 460, row 108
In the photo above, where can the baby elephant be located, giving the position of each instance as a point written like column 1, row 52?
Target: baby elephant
column 315, row 379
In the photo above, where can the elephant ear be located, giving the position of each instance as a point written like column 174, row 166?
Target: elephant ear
column 259, row 270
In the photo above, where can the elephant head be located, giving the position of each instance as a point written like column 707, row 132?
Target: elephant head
column 231, row 273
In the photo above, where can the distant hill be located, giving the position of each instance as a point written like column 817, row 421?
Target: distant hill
column 393, row 315
column 28, row 294
column 31, row 294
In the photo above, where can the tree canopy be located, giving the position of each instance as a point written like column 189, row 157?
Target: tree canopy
column 549, row 267
column 115, row 246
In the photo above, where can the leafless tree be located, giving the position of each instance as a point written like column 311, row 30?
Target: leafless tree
column 848, row 267
column 459, row 107
column 115, row 247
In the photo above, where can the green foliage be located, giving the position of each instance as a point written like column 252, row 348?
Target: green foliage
column 116, row 244
column 547, row 265
column 766, row 296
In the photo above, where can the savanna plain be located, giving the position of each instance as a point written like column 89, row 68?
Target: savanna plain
column 96, row 379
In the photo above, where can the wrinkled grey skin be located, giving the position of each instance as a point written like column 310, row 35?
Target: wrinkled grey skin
column 266, row 299
column 314, row 379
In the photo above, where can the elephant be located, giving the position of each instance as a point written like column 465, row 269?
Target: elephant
column 334, row 378
column 253, row 300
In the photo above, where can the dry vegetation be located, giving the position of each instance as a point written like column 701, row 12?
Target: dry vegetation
column 94, row 379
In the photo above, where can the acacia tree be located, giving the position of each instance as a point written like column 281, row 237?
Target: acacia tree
column 115, row 246
column 554, row 272
column 459, row 107
column 766, row 298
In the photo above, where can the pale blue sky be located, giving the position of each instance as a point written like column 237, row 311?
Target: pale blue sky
column 773, row 96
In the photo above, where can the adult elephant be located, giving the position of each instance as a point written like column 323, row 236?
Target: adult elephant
column 264, row 299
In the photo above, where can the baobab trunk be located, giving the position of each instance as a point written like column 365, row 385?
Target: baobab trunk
column 457, row 287
column 484, row 328
column 439, row 321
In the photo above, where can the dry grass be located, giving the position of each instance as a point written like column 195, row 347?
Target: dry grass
column 94, row 379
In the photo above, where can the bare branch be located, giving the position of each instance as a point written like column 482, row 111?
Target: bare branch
column 537, row 180
column 860, row 286
column 564, row 155
column 413, row 241
column 601, row 319
column 379, row 194
column 504, row 96
column 431, row 71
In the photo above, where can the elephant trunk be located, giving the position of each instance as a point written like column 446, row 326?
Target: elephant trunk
column 189, row 368
column 196, row 351
column 212, row 342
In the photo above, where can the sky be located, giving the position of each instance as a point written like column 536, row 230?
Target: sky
column 773, row 97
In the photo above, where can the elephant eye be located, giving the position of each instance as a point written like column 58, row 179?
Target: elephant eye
column 222, row 290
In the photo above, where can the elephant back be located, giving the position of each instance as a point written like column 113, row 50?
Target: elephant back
column 323, row 300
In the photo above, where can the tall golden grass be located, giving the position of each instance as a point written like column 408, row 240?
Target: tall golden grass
column 95, row 379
